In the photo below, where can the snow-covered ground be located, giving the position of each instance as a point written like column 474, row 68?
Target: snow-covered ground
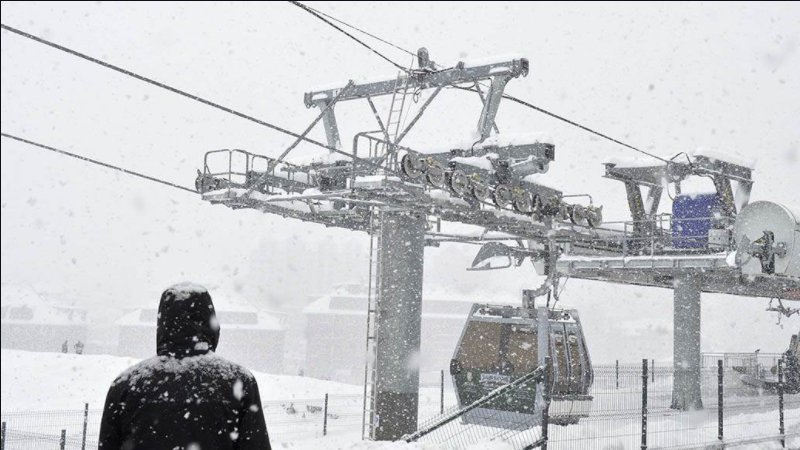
column 52, row 381
column 45, row 392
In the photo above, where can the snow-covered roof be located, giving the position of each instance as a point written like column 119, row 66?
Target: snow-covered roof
column 233, row 311
column 22, row 304
column 356, row 305
column 19, row 295
column 228, row 319
column 351, row 299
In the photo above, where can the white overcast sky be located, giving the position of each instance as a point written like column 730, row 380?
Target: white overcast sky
column 667, row 77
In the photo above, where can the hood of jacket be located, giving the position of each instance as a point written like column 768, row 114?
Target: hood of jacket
column 187, row 322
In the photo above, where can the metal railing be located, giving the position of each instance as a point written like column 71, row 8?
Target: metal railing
column 241, row 169
column 614, row 421
column 632, row 408
column 287, row 421
column 661, row 235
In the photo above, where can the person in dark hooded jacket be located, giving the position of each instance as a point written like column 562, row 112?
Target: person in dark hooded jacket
column 186, row 397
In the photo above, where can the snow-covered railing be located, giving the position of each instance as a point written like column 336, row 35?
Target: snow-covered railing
column 750, row 414
column 663, row 234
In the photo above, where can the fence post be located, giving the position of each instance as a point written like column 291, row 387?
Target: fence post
column 441, row 395
column 3, row 438
column 325, row 417
column 653, row 370
column 548, row 366
column 616, row 376
column 644, row 404
column 781, row 426
column 720, row 402
column 85, row 425
column 63, row 441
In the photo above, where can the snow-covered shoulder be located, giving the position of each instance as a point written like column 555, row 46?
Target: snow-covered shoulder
column 186, row 289
column 209, row 363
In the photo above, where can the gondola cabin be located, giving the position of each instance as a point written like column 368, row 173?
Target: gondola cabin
column 502, row 343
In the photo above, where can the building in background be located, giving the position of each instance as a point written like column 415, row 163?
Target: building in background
column 336, row 333
column 249, row 337
column 31, row 322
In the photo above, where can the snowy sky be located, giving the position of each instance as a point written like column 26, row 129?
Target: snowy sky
column 665, row 77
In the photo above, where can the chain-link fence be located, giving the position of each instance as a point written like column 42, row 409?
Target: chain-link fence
column 287, row 421
column 750, row 413
column 632, row 407
column 67, row 429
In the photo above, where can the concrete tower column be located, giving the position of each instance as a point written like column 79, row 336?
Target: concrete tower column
column 686, row 356
column 398, row 324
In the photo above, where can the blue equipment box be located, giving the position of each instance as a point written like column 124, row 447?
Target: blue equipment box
column 692, row 217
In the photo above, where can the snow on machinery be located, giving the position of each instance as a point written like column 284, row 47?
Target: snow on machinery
column 400, row 196
column 742, row 248
column 488, row 182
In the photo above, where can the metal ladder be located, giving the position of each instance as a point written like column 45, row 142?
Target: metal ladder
column 401, row 87
column 369, row 420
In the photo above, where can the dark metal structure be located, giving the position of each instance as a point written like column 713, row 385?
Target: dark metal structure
column 400, row 196
column 500, row 344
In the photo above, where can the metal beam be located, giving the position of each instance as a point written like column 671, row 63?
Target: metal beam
column 461, row 73
column 725, row 192
column 653, row 200
column 329, row 122
column 491, row 105
column 483, row 102
column 713, row 166
column 419, row 114
column 718, row 279
column 641, row 226
column 378, row 119
column 666, row 264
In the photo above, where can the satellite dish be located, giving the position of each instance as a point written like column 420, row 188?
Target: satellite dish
column 759, row 217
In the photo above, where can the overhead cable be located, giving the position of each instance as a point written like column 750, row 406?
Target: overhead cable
column 194, row 97
column 99, row 163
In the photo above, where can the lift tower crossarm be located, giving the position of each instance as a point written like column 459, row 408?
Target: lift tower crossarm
column 498, row 73
column 423, row 79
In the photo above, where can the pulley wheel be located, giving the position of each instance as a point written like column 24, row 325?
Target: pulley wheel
column 594, row 216
column 435, row 174
column 412, row 166
column 459, row 182
column 479, row 190
column 577, row 214
column 523, row 202
column 502, row 195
